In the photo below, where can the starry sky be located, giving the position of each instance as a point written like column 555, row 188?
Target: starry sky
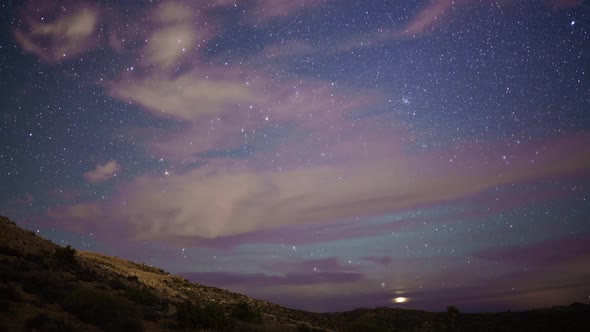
column 324, row 155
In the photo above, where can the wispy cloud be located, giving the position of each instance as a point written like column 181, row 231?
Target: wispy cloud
column 103, row 172
column 218, row 200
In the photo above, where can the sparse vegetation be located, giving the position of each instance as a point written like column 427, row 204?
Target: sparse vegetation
column 44, row 323
column 116, row 284
column 8, row 294
column 50, row 285
column 190, row 316
column 39, row 281
column 103, row 309
column 367, row 325
column 244, row 312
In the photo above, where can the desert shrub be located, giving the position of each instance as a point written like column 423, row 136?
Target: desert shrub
column 44, row 323
column 242, row 311
column 116, row 284
column 49, row 285
column 142, row 295
column 133, row 278
column 9, row 273
column 151, row 269
column 65, row 255
column 86, row 274
column 4, row 305
column 38, row 260
column 8, row 294
column 366, row 324
column 152, row 305
column 9, row 251
column 190, row 316
column 105, row 310
column 307, row 328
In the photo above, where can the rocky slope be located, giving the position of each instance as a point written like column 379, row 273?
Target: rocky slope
column 45, row 287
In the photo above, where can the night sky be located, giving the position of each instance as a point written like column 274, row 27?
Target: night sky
column 321, row 154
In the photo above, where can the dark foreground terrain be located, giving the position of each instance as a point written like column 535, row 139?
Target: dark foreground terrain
column 45, row 287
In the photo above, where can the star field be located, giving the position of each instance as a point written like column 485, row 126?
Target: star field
column 323, row 155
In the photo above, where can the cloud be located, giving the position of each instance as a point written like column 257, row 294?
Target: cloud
column 287, row 49
column 436, row 12
column 221, row 109
column 221, row 199
column 186, row 97
column 102, row 172
column 274, row 8
column 430, row 16
column 543, row 253
column 69, row 34
column 381, row 260
column 177, row 33
column 228, row 279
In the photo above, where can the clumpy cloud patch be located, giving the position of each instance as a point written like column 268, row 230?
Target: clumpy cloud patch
column 54, row 34
column 102, row 172
column 177, row 32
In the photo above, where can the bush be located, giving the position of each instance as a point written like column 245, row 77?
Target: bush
column 366, row 324
column 152, row 304
column 116, row 284
column 245, row 313
column 43, row 323
column 8, row 294
column 65, row 254
column 306, row 328
column 133, row 278
column 50, row 286
column 190, row 317
column 105, row 310
column 142, row 295
column 9, row 251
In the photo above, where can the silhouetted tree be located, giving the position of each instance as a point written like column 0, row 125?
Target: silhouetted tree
column 453, row 313
column 65, row 254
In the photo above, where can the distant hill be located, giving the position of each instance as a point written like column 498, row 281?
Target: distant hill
column 45, row 287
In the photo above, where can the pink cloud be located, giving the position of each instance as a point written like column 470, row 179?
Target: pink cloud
column 437, row 12
column 430, row 16
column 102, row 172
column 228, row 279
column 54, row 34
column 274, row 8
column 222, row 108
column 545, row 252
column 221, row 199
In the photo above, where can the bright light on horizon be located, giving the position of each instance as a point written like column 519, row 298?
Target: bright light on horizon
column 400, row 299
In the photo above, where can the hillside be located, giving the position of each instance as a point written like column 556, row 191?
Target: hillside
column 45, row 287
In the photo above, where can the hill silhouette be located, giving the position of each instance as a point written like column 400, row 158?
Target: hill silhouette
column 46, row 287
